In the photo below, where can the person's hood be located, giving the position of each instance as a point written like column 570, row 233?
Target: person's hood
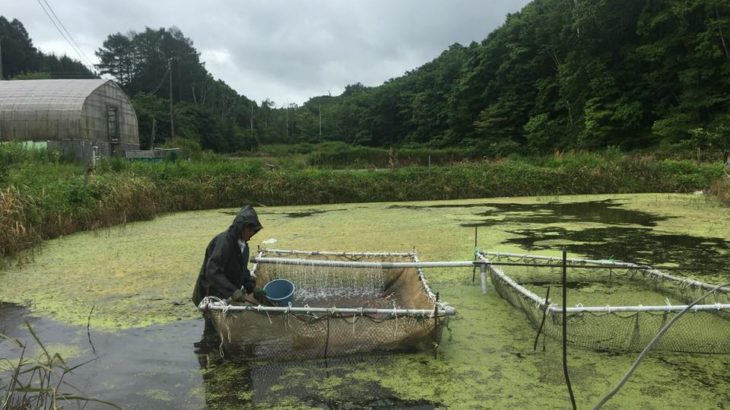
column 246, row 217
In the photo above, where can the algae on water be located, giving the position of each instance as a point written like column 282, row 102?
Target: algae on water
column 143, row 273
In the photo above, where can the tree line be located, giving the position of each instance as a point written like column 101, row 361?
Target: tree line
column 21, row 60
column 557, row 75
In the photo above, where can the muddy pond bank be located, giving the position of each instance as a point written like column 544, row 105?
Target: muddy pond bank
column 144, row 329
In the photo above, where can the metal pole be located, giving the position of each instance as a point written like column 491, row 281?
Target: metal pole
column 331, row 253
column 715, row 307
column 1, row 57
column 444, row 310
column 172, row 118
column 483, row 276
column 565, row 329
column 152, row 137
column 377, row 265
column 474, row 270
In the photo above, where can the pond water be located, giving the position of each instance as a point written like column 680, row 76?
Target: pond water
column 131, row 286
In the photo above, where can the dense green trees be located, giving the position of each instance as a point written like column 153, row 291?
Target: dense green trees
column 20, row 59
column 559, row 74
column 154, row 66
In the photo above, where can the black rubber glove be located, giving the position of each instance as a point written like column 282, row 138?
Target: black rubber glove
column 238, row 296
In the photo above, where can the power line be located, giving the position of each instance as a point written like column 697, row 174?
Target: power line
column 162, row 81
column 66, row 36
column 69, row 33
column 73, row 40
column 76, row 46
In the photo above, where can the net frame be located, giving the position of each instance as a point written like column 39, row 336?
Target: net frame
column 704, row 329
column 324, row 329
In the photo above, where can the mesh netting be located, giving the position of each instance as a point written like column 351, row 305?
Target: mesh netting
column 615, row 306
column 335, row 310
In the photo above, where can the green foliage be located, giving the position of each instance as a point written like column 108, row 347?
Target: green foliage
column 340, row 155
column 41, row 200
column 539, row 133
column 22, row 61
column 558, row 75
column 33, row 76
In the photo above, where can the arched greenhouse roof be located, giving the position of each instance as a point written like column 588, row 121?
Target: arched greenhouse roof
column 46, row 95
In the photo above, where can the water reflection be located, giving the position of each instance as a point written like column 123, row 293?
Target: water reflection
column 608, row 211
column 321, row 383
column 140, row 368
column 641, row 245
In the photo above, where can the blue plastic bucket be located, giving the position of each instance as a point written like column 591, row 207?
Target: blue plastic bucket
column 279, row 291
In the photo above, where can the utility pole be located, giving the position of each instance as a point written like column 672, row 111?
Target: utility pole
column 251, row 118
column 152, row 138
column 172, row 119
column 287, row 123
column 320, row 121
column 1, row 57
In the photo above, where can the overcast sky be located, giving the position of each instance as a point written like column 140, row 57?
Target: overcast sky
column 285, row 50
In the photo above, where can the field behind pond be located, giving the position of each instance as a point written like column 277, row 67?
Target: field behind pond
column 138, row 278
column 42, row 197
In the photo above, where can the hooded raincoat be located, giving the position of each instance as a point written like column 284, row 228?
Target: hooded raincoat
column 224, row 268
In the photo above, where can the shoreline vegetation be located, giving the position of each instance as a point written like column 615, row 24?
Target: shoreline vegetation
column 44, row 197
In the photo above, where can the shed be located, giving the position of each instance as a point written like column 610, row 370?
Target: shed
column 73, row 116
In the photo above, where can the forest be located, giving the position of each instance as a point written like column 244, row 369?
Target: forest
column 558, row 75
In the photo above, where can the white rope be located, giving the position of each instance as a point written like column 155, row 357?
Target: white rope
column 395, row 312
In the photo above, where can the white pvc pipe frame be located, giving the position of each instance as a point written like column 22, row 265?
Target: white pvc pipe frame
column 556, row 309
column 377, row 265
column 485, row 264
column 213, row 303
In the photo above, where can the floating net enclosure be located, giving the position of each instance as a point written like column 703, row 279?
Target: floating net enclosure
column 613, row 306
column 343, row 303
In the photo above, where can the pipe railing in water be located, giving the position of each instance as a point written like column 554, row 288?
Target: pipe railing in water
column 356, row 264
column 377, row 265
column 212, row 303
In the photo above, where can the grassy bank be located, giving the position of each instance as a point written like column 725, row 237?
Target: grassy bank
column 42, row 197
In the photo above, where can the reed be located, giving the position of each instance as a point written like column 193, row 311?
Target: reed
column 39, row 383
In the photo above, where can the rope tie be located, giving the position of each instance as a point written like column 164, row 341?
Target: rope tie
column 354, row 319
column 395, row 313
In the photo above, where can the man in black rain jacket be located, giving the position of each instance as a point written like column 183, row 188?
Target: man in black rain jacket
column 224, row 272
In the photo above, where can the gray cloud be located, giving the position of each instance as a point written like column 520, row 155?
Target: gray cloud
column 285, row 50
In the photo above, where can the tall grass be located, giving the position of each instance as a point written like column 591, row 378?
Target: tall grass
column 338, row 155
column 41, row 197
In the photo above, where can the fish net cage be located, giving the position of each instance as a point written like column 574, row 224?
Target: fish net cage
column 613, row 306
column 343, row 304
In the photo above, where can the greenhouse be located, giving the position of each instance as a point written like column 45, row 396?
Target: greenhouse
column 77, row 117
